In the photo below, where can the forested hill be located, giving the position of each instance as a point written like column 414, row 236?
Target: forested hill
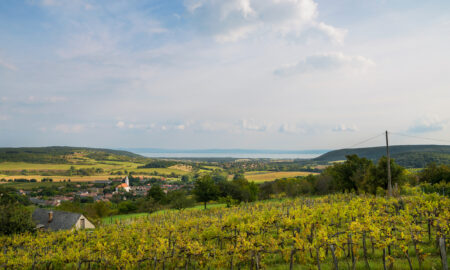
column 413, row 156
column 65, row 154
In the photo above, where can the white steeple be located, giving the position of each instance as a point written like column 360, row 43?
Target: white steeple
column 127, row 181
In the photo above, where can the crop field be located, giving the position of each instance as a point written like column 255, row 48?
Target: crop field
column 58, row 172
column 106, row 165
column 342, row 231
column 160, row 170
column 264, row 176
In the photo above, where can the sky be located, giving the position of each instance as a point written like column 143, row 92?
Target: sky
column 199, row 74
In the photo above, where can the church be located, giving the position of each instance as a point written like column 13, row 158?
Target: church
column 125, row 186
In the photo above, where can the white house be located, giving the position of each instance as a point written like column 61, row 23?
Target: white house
column 60, row 220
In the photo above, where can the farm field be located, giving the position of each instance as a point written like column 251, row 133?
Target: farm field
column 106, row 165
column 14, row 170
column 264, row 176
column 342, row 231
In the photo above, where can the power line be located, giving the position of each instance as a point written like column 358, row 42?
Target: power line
column 419, row 137
column 367, row 140
column 361, row 142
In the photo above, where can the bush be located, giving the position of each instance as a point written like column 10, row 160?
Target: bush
column 15, row 218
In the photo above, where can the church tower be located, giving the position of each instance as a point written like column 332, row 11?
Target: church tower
column 127, row 181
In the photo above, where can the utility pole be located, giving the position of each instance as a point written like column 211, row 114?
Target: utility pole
column 388, row 166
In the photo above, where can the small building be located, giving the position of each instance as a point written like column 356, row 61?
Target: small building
column 125, row 186
column 60, row 220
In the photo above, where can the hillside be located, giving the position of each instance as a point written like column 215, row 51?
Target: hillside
column 412, row 156
column 65, row 154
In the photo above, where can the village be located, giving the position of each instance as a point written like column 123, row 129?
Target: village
column 113, row 190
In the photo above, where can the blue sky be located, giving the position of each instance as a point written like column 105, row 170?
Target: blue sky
column 267, row 74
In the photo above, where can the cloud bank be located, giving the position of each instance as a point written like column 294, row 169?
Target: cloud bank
column 326, row 62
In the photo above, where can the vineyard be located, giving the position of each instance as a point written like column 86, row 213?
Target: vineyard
column 333, row 232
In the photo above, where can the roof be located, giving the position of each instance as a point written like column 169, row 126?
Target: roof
column 124, row 185
column 61, row 220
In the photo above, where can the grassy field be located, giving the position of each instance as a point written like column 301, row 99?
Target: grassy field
column 264, row 176
column 127, row 217
column 29, row 186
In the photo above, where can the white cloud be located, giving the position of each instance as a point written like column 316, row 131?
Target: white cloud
column 252, row 125
column 345, row 128
column 326, row 62
column 291, row 128
column 74, row 128
column 4, row 117
column 336, row 34
column 429, row 123
column 232, row 20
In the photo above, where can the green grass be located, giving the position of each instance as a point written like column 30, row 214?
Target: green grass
column 264, row 176
column 160, row 171
column 29, row 186
column 127, row 217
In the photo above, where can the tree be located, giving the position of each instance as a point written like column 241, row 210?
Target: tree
column 157, row 194
column 179, row 200
column 350, row 174
column 9, row 195
column 377, row 176
column 15, row 218
column 185, row 178
column 205, row 189
column 435, row 174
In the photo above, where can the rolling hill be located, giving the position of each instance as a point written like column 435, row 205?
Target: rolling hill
column 65, row 154
column 411, row 156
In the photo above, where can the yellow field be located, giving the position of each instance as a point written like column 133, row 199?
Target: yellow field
column 181, row 167
column 264, row 176
column 106, row 165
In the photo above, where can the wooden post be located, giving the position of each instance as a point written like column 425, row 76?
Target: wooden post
column 335, row 261
column 443, row 253
column 388, row 166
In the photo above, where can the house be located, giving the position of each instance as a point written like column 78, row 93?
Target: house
column 60, row 220
column 125, row 186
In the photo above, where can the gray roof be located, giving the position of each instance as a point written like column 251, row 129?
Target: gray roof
column 61, row 220
column 37, row 201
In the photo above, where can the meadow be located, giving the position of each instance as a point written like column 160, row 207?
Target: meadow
column 264, row 176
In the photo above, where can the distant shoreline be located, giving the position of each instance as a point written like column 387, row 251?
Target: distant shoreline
column 227, row 153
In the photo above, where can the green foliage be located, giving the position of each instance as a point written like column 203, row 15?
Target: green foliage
column 350, row 174
column 9, row 195
column 157, row 194
column 378, row 176
column 15, row 218
column 126, row 207
column 435, row 173
column 59, row 154
column 178, row 199
column 185, row 178
column 205, row 189
column 158, row 163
